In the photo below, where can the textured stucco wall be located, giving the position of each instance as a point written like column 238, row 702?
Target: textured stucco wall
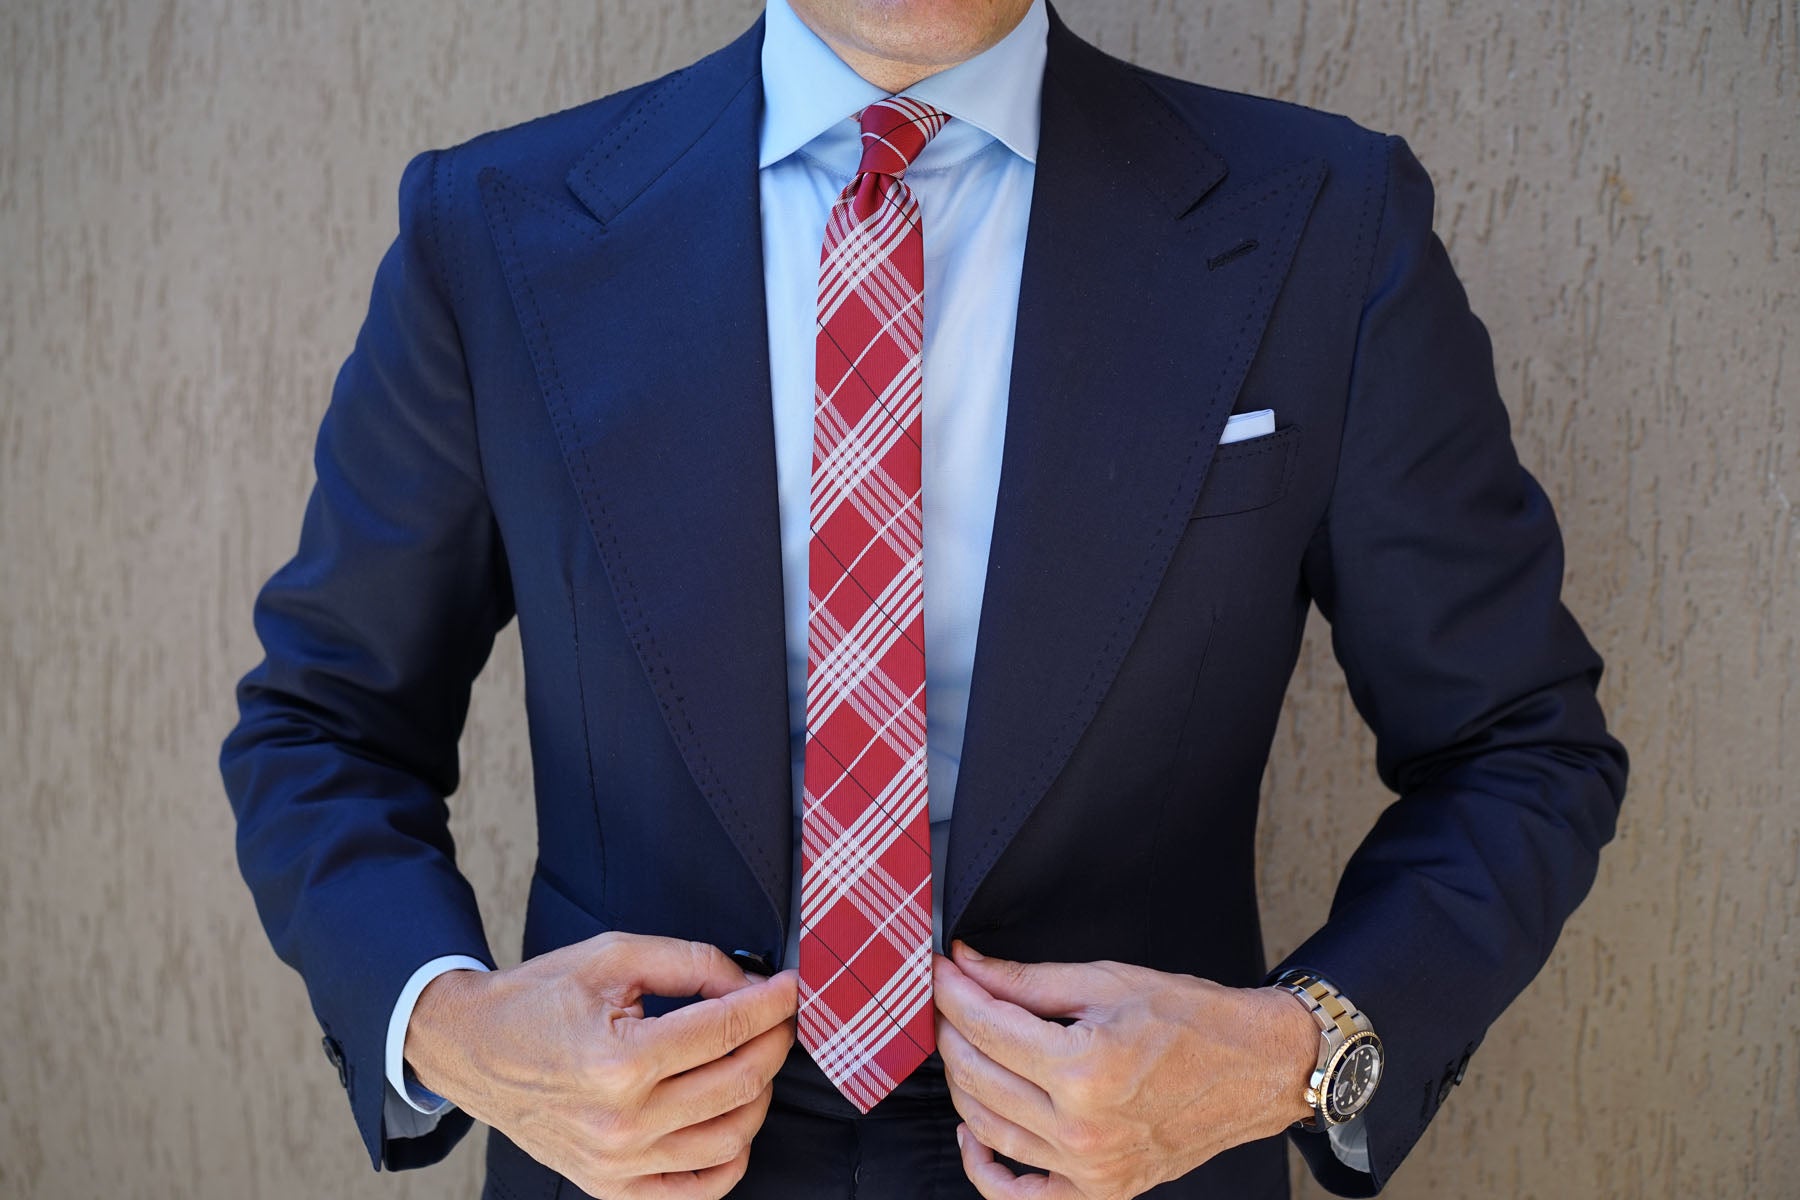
column 193, row 195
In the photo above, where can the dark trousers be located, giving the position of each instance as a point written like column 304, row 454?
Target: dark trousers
column 815, row 1146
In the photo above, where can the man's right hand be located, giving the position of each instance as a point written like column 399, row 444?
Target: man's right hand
column 557, row 1054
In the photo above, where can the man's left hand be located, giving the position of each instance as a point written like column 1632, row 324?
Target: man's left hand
column 1157, row 1073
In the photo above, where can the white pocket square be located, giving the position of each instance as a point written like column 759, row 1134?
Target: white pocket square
column 1240, row 426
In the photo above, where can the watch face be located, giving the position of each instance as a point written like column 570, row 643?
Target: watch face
column 1353, row 1082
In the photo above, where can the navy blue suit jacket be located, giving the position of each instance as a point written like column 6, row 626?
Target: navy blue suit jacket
column 558, row 409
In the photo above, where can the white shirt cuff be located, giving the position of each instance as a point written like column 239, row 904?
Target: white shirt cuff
column 404, row 1086
column 1350, row 1142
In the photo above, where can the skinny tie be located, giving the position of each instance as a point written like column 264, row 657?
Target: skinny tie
column 865, row 861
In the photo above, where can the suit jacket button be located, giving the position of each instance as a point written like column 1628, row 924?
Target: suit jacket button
column 334, row 1054
column 752, row 963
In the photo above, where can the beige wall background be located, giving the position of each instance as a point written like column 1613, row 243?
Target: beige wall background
column 193, row 196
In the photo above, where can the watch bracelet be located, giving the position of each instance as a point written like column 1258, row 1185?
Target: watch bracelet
column 1334, row 1014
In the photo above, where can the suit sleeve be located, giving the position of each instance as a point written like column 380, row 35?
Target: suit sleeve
column 1439, row 565
column 373, row 633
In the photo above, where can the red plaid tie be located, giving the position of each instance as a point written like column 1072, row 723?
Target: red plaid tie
column 865, row 873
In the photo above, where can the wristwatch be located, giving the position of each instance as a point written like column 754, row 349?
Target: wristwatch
column 1350, row 1060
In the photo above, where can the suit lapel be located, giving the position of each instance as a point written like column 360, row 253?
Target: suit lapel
column 1128, row 356
column 644, row 311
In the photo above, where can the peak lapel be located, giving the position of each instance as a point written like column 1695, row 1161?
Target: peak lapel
column 1128, row 356
column 645, row 318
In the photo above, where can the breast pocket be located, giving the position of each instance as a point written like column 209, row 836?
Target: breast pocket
column 1250, row 474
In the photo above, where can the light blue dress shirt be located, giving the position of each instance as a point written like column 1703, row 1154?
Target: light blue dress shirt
column 973, row 182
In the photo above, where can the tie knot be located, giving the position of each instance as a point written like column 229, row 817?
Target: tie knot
column 894, row 131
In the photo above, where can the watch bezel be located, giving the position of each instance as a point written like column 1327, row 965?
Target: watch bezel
column 1325, row 1087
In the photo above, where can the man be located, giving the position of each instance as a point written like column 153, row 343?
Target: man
column 910, row 440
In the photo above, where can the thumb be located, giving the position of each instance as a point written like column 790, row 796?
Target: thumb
column 630, row 965
column 1043, row 989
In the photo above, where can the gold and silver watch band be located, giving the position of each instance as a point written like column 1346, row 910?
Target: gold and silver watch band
column 1340, row 1022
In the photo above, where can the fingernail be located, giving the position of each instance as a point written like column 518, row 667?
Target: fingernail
column 961, row 1138
column 970, row 950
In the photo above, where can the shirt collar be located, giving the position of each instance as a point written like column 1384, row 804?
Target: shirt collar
column 807, row 88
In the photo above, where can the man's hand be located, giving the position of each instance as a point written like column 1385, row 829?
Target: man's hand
column 1158, row 1072
column 557, row 1054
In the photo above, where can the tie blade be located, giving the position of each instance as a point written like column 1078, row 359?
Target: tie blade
column 864, row 1041
column 865, row 951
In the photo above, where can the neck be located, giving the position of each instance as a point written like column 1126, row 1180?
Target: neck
column 890, row 75
column 895, row 54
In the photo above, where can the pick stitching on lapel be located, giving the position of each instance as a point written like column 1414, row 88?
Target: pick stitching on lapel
column 1128, row 356
column 646, row 324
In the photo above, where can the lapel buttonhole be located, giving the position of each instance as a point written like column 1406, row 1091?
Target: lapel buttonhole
column 1236, row 252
